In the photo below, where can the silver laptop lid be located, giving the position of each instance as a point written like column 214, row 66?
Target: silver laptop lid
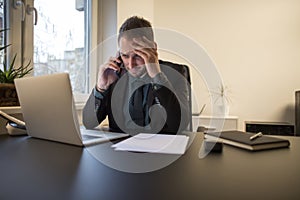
column 48, row 108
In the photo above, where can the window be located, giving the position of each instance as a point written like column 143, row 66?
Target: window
column 65, row 33
column 2, row 42
column 58, row 42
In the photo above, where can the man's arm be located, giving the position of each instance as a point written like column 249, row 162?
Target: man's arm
column 173, row 96
column 94, row 111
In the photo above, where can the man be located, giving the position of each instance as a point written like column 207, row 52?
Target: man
column 137, row 91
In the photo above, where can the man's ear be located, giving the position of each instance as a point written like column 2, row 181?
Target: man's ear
column 155, row 45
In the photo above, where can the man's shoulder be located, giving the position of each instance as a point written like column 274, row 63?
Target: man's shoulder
column 181, row 68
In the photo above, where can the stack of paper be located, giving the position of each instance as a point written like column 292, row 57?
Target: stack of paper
column 154, row 143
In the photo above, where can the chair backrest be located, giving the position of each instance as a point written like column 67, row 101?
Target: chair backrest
column 185, row 71
column 188, row 77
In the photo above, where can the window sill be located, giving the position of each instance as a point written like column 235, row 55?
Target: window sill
column 17, row 109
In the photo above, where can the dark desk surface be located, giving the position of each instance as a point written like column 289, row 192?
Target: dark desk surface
column 38, row 169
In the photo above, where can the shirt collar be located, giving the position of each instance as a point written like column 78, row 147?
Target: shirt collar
column 143, row 79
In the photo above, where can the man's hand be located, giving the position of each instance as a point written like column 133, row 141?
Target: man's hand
column 107, row 73
column 148, row 51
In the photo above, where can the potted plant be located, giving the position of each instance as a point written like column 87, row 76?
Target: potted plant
column 9, row 72
column 221, row 100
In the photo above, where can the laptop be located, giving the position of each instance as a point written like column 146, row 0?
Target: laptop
column 49, row 112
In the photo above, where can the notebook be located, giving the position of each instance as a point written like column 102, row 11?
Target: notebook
column 242, row 140
column 49, row 111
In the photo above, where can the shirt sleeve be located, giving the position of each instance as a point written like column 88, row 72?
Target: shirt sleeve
column 94, row 111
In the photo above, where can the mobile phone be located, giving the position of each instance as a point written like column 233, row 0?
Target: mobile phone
column 119, row 65
column 119, row 58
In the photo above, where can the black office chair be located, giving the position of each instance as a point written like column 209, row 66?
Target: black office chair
column 185, row 71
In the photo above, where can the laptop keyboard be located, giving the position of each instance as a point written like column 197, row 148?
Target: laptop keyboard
column 88, row 137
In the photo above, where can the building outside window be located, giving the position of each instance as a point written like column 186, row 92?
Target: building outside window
column 58, row 36
column 59, row 40
column 53, row 35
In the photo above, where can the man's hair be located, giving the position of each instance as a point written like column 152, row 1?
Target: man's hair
column 136, row 27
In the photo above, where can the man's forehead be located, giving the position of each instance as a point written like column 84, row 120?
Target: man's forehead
column 126, row 52
column 125, row 45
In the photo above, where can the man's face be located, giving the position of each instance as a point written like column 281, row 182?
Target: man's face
column 134, row 64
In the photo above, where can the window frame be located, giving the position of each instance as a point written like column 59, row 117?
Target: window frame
column 100, row 22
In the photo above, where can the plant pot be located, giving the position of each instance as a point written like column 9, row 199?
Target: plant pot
column 221, row 108
column 8, row 95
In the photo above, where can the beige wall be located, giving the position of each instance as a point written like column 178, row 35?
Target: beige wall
column 135, row 7
column 254, row 44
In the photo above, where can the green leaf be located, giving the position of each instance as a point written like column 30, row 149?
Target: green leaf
column 10, row 71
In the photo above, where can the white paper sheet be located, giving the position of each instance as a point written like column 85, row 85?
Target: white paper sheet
column 154, row 143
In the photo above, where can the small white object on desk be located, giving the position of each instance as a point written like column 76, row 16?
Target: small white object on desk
column 13, row 130
column 257, row 135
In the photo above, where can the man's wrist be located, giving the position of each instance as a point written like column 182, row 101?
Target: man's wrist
column 99, row 93
column 100, row 89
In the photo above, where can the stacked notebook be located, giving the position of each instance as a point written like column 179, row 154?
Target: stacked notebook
column 242, row 140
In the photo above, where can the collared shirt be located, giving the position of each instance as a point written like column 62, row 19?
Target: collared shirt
column 133, row 84
column 173, row 97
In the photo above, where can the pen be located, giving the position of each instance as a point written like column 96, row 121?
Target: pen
column 259, row 134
